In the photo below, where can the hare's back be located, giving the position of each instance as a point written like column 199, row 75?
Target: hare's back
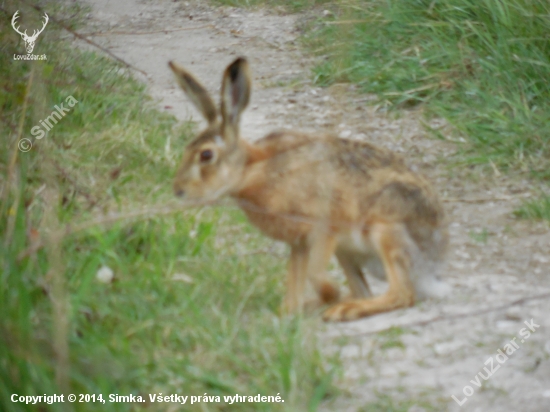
column 346, row 181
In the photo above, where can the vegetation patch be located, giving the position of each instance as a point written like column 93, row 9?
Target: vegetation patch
column 187, row 301
column 391, row 338
column 482, row 65
column 535, row 209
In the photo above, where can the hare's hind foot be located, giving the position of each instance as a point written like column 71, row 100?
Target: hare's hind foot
column 393, row 245
column 359, row 308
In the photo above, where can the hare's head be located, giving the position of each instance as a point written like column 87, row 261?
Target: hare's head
column 213, row 163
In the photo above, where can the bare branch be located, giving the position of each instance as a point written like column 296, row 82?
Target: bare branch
column 442, row 318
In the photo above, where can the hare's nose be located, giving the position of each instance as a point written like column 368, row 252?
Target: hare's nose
column 179, row 192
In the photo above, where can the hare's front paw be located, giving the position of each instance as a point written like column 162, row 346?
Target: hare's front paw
column 311, row 306
column 291, row 306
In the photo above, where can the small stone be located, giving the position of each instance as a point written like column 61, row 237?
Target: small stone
column 540, row 258
column 445, row 348
column 105, row 274
column 513, row 314
column 506, row 324
column 182, row 277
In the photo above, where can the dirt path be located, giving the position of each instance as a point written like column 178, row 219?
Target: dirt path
column 494, row 259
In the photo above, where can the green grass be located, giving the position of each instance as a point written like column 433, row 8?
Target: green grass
column 482, row 65
column 535, row 209
column 391, row 338
column 190, row 311
column 479, row 235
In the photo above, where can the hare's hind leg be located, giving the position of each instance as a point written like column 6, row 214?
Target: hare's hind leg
column 309, row 260
column 322, row 248
column 393, row 245
column 357, row 282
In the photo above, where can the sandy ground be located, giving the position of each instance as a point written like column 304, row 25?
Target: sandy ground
column 494, row 259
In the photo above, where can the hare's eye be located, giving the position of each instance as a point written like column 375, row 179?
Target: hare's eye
column 206, row 155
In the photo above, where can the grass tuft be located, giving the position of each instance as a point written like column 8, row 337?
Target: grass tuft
column 391, row 338
column 538, row 209
column 189, row 311
column 483, row 65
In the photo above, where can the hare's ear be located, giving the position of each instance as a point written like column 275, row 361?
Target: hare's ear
column 196, row 92
column 235, row 96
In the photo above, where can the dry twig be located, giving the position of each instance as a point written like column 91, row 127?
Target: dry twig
column 81, row 37
column 459, row 315
column 140, row 33
column 484, row 199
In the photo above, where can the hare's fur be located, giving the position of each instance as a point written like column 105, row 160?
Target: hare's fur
column 323, row 196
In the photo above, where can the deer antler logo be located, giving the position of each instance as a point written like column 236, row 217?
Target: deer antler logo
column 29, row 40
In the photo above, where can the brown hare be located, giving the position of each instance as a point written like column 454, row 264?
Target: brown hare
column 323, row 196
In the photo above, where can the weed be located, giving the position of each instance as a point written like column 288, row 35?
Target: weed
column 482, row 65
column 535, row 209
column 479, row 236
column 391, row 338
column 185, row 313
